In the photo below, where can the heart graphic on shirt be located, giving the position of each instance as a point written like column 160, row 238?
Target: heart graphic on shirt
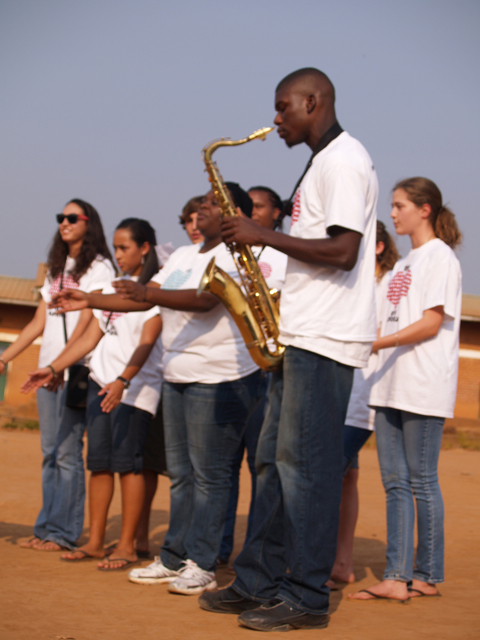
column 57, row 285
column 111, row 316
column 296, row 207
column 265, row 268
column 399, row 286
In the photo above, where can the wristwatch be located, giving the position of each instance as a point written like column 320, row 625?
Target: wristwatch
column 126, row 383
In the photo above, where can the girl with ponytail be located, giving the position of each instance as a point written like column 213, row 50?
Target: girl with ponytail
column 123, row 395
column 415, row 388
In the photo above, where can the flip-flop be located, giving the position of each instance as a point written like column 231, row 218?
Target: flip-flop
column 422, row 594
column 128, row 563
column 85, row 556
column 375, row 596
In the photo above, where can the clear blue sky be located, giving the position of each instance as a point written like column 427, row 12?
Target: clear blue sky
column 112, row 102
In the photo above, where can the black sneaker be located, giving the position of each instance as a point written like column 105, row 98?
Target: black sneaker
column 277, row 615
column 226, row 600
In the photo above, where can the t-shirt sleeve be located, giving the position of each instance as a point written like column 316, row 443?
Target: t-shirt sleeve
column 45, row 290
column 441, row 285
column 159, row 278
column 343, row 192
column 100, row 274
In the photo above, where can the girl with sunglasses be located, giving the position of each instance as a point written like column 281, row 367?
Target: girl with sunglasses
column 78, row 258
column 123, row 394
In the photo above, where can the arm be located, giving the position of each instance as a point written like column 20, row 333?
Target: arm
column 31, row 331
column 179, row 299
column 132, row 296
column 114, row 390
column 73, row 352
column 339, row 250
column 427, row 327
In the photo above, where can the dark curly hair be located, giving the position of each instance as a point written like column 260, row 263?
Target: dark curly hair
column 389, row 256
column 93, row 244
column 142, row 231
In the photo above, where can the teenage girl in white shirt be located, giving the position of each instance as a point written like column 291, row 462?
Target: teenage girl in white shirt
column 124, row 391
column 415, row 387
column 79, row 257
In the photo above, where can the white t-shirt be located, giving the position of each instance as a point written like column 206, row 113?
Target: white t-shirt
column 421, row 378
column 359, row 414
column 115, row 349
column 200, row 347
column 325, row 310
column 99, row 275
column 273, row 265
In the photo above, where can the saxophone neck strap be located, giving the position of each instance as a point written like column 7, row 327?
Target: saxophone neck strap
column 334, row 131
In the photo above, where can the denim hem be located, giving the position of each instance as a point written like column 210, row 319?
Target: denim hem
column 397, row 577
column 421, row 578
column 245, row 594
column 295, row 605
column 170, row 560
column 62, row 543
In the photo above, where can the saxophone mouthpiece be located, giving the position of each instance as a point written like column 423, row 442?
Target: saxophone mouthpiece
column 262, row 133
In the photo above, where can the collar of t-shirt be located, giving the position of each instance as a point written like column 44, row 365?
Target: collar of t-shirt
column 334, row 131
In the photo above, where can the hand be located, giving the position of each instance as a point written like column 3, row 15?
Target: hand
column 130, row 290
column 375, row 346
column 57, row 381
column 3, row 367
column 69, row 300
column 113, row 392
column 241, row 231
column 39, row 378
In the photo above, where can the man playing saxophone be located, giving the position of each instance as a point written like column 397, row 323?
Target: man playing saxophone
column 327, row 324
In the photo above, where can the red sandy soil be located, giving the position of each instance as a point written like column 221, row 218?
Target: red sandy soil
column 45, row 598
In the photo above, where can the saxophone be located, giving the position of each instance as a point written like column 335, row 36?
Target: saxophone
column 253, row 309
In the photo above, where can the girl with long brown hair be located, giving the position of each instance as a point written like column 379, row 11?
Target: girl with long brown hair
column 79, row 257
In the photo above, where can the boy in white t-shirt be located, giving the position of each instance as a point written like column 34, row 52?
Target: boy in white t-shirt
column 327, row 322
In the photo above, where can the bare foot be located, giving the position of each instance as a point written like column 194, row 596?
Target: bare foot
column 387, row 589
column 48, row 545
column 347, row 576
column 419, row 588
column 83, row 553
column 30, row 544
column 117, row 560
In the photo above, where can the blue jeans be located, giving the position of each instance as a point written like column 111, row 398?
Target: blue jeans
column 63, row 479
column 299, row 484
column 249, row 442
column 408, row 447
column 203, row 424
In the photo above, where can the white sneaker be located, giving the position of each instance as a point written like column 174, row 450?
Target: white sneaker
column 155, row 573
column 193, row 580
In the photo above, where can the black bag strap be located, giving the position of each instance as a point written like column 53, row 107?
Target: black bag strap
column 63, row 315
column 65, row 321
column 334, row 131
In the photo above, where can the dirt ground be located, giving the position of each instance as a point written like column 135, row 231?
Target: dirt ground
column 42, row 597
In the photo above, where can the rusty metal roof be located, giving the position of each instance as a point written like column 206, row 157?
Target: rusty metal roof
column 18, row 291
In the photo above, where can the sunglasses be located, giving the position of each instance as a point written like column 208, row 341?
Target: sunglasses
column 72, row 218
